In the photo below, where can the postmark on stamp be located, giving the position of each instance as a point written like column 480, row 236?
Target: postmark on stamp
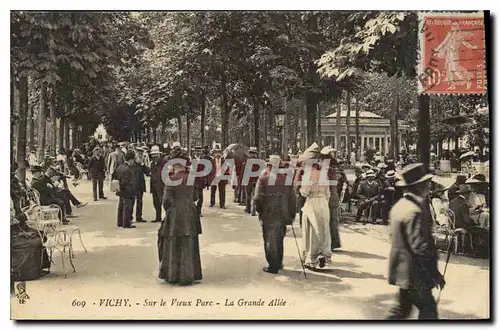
column 452, row 53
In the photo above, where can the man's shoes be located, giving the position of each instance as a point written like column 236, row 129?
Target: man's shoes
column 81, row 205
column 141, row 220
column 130, row 226
column 156, row 221
column 103, row 197
column 95, row 199
column 271, row 271
column 211, row 205
column 254, row 214
column 322, row 263
column 247, row 211
column 223, row 207
column 119, row 225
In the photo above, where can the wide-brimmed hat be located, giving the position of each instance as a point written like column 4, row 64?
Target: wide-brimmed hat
column 274, row 159
column 413, row 174
column 370, row 174
column 382, row 165
column 326, row 150
column 252, row 149
column 366, row 165
column 464, row 189
column 390, row 174
column 155, row 150
column 176, row 144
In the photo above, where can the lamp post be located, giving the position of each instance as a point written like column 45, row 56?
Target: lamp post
column 279, row 117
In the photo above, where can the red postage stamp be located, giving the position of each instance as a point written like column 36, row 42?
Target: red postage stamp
column 452, row 53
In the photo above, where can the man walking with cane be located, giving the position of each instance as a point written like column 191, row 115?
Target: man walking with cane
column 413, row 258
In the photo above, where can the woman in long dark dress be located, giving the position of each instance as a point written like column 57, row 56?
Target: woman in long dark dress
column 178, row 244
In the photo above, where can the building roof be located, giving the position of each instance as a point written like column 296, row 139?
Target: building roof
column 362, row 114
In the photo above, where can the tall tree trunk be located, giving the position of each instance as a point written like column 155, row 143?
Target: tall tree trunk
column 302, row 127
column 358, row 137
column 66, row 134
column 320, row 138
column 256, row 122
column 295, row 126
column 263, row 124
column 12, row 110
column 21, row 138
column 53, row 127
column 42, row 123
column 338, row 146
column 202, row 119
column 394, row 130
column 347, row 127
column 179, row 129
column 61, row 132
column 457, row 113
column 188, row 133
column 31, row 124
column 311, row 109
column 284, row 135
column 424, row 130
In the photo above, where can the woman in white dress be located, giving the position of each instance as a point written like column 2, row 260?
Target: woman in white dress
column 316, row 221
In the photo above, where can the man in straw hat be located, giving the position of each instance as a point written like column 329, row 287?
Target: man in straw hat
column 215, row 184
column 389, row 195
column 368, row 191
column 97, row 170
column 156, row 184
column 127, row 190
column 413, row 257
column 252, row 182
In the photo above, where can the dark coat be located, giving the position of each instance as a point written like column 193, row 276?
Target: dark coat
column 126, row 176
column 182, row 216
column 156, row 183
column 366, row 190
column 47, row 194
column 139, row 172
column 462, row 213
column 276, row 204
column 413, row 257
column 97, row 167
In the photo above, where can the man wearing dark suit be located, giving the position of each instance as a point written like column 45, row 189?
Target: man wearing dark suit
column 453, row 190
column 413, row 257
column 368, row 191
column 140, row 170
column 127, row 190
column 156, row 183
column 460, row 208
column 47, row 191
column 276, row 205
column 97, row 170
column 221, row 185
column 252, row 182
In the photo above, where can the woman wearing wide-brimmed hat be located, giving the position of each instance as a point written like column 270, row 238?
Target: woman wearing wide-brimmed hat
column 178, row 245
column 316, row 218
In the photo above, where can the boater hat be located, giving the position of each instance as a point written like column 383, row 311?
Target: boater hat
column 370, row 174
column 155, row 150
column 413, row 174
column 390, row 174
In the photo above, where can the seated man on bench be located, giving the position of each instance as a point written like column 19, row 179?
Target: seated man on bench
column 368, row 194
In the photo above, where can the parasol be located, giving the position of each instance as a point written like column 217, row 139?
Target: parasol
column 457, row 120
column 236, row 151
column 313, row 152
column 467, row 155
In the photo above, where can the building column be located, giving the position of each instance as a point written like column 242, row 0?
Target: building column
column 362, row 149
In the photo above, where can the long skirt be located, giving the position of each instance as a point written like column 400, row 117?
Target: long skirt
column 180, row 261
column 316, row 231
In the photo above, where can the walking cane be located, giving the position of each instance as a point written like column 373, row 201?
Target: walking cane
column 444, row 272
column 298, row 250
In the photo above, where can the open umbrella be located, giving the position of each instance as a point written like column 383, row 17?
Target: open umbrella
column 313, row 152
column 467, row 155
column 236, row 151
column 457, row 120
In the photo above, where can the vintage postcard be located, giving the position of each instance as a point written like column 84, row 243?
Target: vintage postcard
column 249, row 165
